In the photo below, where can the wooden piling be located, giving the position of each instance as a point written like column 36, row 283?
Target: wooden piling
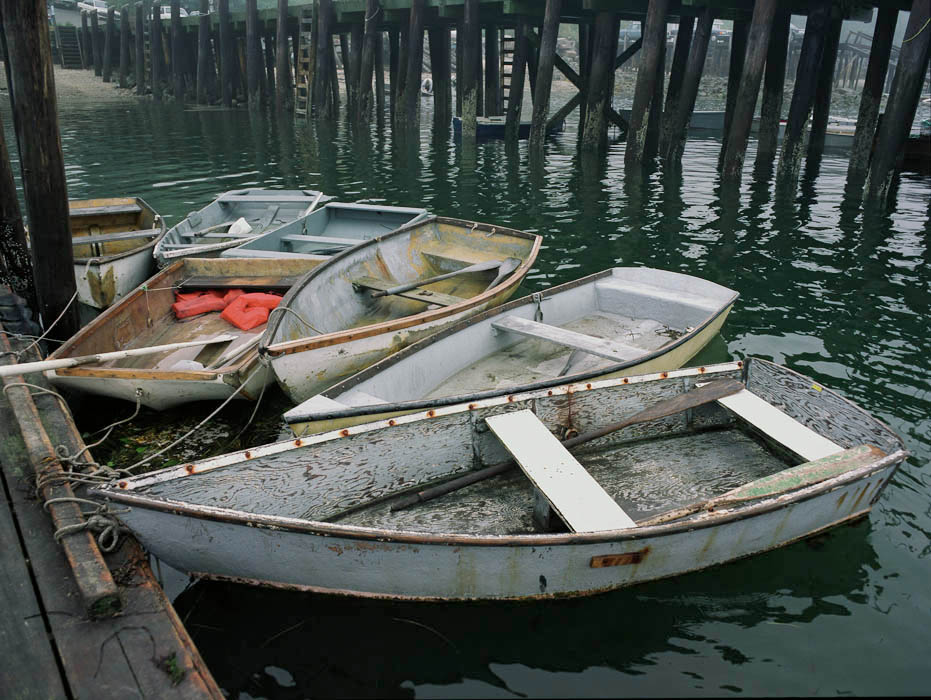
column 14, row 250
column 96, row 48
column 177, row 52
column 679, row 124
column 586, row 32
column 543, row 88
column 470, row 38
column 284, row 85
column 268, row 40
column 655, row 119
column 253, row 56
column 806, row 80
column 760, row 28
column 323, row 93
column 140, row 50
column 411, row 100
column 204, row 57
column 773, row 89
column 380, row 75
column 872, row 93
column 354, row 84
column 594, row 131
column 492, row 74
column 155, row 42
column 367, row 67
column 680, row 57
column 822, row 103
column 404, row 38
column 227, row 69
column 518, row 74
column 394, row 60
column 479, row 73
column 442, row 79
column 108, row 43
column 87, row 51
column 460, row 42
column 344, row 60
column 124, row 46
column 35, row 107
column 903, row 100
column 734, row 72
column 654, row 41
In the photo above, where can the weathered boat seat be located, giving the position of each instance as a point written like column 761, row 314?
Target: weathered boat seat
column 259, row 253
column 325, row 240
column 563, row 484
column 357, row 397
column 201, row 232
column 108, row 209
column 261, row 198
column 427, row 296
column 116, row 236
column 779, row 426
column 610, row 349
column 648, row 291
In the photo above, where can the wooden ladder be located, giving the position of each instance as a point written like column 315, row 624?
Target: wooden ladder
column 506, row 62
column 305, row 60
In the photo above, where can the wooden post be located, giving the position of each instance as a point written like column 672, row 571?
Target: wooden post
column 734, row 72
column 469, row 83
column 533, row 64
column 284, row 86
column 479, row 72
column 227, row 69
column 155, row 42
column 903, row 100
column 393, row 70
column 253, row 57
column 492, row 74
column 204, row 57
column 124, row 46
column 380, row 75
column 269, row 34
column 654, row 40
column 35, row 107
column 594, row 136
column 14, row 250
column 87, row 50
column 761, row 26
column 822, row 103
column 323, row 94
column 411, row 100
column 109, row 43
column 518, row 74
column 370, row 31
column 354, row 83
column 404, row 40
column 344, row 59
column 773, row 87
column 586, row 33
column 655, row 120
column 872, row 93
column 680, row 57
column 177, row 51
column 440, row 47
column 678, row 126
column 544, row 86
column 460, row 44
column 96, row 49
column 802, row 96
column 140, row 49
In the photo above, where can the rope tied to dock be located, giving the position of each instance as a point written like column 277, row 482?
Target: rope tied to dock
column 102, row 520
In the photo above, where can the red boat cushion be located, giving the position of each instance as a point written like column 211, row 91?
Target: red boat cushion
column 250, row 310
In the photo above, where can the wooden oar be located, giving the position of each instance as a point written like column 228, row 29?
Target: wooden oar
column 477, row 267
column 27, row 367
column 699, row 396
column 313, row 205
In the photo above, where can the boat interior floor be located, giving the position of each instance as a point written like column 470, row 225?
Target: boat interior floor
column 645, row 478
column 532, row 359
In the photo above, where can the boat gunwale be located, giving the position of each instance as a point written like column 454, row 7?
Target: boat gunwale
column 423, row 404
column 314, row 342
column 120, row 490
column 100, row 260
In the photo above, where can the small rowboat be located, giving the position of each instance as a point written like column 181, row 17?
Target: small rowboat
column 112, row 239
column 144, row 319
column 328, row 230
column 217, row 226
column 384, row 294
column 625, row 320
column 668, row 473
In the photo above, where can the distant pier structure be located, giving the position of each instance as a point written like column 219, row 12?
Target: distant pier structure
column 310, row 55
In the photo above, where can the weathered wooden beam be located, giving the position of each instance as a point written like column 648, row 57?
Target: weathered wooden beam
column 654, row 41
column 96, row 48
column 204, row 55
column 87, row 49
column 140, row 50
column 108, row 43
column 773, row 89
column 404, row 41
column 544, row 73
column 380, row 75
column 155, row 44
column 323, row 47
column 903, row 100
column 227, row 69
column 177, row 52
column 354, row 86
column 284, row 85
column 803, row 95
column 679, row 124
column 394, row 59
column 680, row 56
column 35, row 111
column 871, row 97
column 367, row 66
column 594, row 136
column 269, row 34
column 736, row 60
column 470, row 38
column 440, row 47
column 253, row 56
column 655, row 119
column 518, row 74
column 124, row 46
column 492, row 74
column 821, row 112
column 759, row 33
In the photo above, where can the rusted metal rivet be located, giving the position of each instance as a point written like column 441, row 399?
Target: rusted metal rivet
column 740, row 363
column 549, row 393
column 431, row 413
column 392, row 422
column 248, row 454
column 298, row 442
column 189, row 468
column 510, row 399
column 588, row 386
column 344, row 432
column 122, row 484
column 701, row 370
column 626, row 380
column 473, row 406
column 664, row 375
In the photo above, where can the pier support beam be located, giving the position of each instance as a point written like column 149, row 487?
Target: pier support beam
column 680, row 57
column 109, row 43
column 284, row 86
column 35, row 107
column 903, row 100
column 492, row 71
column 604, row 34
column 440, row 48
column 872, row 94
column 367, row 68
column 655, row 119
column 411, row 101
column 773, row 88
column 380, row 75
column 822, row 103
column 518, row 76
column 734, row 73
column 323, row 93
column 124, row 46
column 227, row 70
column 204, row 57
column 394, row 60
column 654, row 41
column 544, row 82
column 404, row 41
column 679, row 121
column 356, row 39
column 155, row 42
column 96, row 48
column 269, row 34
column 745, row 103
column 177, row 51
column 806, row 80
column 470, row 38
column 87, row 50
column 140, row 50
column 253, row 56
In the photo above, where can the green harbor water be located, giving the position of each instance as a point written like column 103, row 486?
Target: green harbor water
column 829, row 289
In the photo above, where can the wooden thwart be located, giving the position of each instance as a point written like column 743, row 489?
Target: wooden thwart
column 565, row 484
column 324, row 240
column 118, row 236
column 427, row 296
column 609, row 349
column 108, row 209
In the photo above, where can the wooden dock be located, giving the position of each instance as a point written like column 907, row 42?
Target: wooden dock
column 53, row 645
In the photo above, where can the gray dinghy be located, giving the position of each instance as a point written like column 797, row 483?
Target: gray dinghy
column 705, row 475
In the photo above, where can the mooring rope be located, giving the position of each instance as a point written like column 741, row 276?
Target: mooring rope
column 915, row 35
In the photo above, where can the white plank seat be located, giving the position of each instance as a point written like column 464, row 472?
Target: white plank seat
column 232, row 198
column 115, row 236
column 417, row 293
column 107, row 209
column 327, row 241
column 610, row 349
column 780, row 426
column 205, row 231
column 558, row 478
